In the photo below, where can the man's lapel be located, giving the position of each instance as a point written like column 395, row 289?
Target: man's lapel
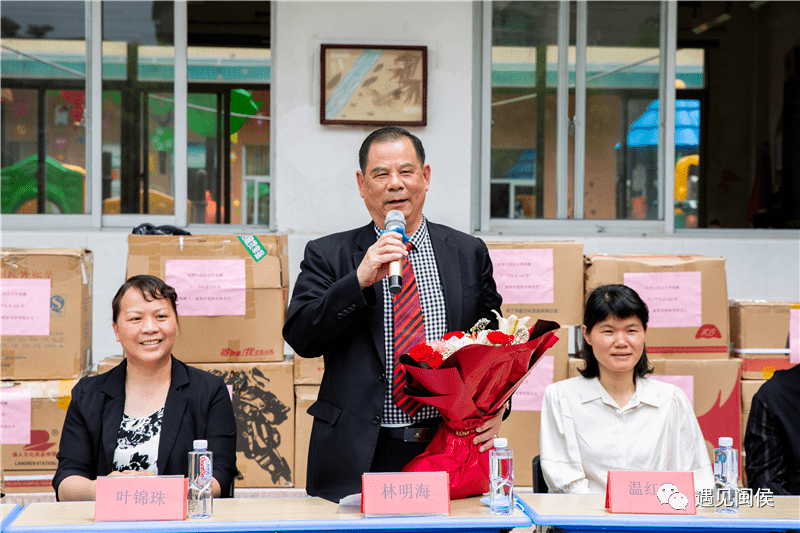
column 365, row 239
column 446, row 253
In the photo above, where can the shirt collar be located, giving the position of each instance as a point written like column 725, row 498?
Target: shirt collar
column 645, row 393
column 417, row 238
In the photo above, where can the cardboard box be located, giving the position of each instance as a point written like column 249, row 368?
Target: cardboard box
column 521, row 428
column 715, row 393
column 304, row 395
column 543, row 280
column 66, row 351
column 108, row 363
column 31, row 467
column 308, row 371
column 263, row 402
column 760, row 336
column 686, row 295
column 749, row 389
column 229, row 338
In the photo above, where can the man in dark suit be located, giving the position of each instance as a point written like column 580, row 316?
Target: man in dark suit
column 341, row 308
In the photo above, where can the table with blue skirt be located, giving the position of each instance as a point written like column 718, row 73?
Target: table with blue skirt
column 8, row 512
column 587, row 514
column 252, row 515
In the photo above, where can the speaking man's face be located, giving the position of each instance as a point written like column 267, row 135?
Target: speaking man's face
column 394, row 178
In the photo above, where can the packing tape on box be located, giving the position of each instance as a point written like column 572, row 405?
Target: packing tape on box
column 250, row 305
column 234, row 346
column 64, row 393
column 154, row 267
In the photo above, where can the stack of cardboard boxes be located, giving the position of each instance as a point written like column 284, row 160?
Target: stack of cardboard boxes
column 232, row 298
column 46, row 348
column 688, row 334
column 760, row 338
column 307, row 378
column 542, row 280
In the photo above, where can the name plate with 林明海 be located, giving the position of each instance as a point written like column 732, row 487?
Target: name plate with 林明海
column 629, row 491
column 136, row 498
column 405, row 493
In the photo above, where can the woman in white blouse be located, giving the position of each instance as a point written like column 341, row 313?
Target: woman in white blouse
column 613, row 417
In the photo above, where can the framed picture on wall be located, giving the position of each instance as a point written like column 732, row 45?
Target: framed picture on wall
column 374, row 85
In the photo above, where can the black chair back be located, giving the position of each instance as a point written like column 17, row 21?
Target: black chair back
column 539, row 484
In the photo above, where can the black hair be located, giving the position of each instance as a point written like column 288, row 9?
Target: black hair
column 389, row 133
column 617, row 301
column 151, row 287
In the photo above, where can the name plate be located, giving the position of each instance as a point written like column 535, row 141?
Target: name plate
column 136, row 498
column 405, row 493
column 650, row 492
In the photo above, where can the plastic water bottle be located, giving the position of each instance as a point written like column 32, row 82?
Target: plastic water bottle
column 201, row 495
column 501, row 477
column 726, row 477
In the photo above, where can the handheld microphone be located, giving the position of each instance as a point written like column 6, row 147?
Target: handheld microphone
column 395, row 220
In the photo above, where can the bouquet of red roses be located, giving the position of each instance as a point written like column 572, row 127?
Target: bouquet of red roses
column 469, row 377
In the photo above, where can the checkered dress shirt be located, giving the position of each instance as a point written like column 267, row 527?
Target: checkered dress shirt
column 431, row 299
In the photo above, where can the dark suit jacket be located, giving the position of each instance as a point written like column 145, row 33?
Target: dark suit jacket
column 330, row 315
column 198, row 406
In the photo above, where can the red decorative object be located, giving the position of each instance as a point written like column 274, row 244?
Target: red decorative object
column 469, row 388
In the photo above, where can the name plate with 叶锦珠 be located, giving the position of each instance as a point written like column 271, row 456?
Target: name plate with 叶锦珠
column 135, row 498
column 405, row 493
column 630, row 491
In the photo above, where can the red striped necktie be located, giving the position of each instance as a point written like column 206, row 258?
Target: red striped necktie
column 409, row 330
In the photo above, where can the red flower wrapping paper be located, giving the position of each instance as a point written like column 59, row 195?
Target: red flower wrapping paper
column 469, row 388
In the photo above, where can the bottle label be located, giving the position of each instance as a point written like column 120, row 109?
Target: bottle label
column 204, row 470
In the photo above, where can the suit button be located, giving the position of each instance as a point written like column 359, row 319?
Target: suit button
column 376, row 420
column 352, row 307
column 339, row 316
column 382, row 377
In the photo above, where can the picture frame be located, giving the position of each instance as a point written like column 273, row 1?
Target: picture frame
column 373, row 85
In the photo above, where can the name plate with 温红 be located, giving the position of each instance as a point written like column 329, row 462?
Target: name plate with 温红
column 630, row 491
column 136, row 498
column 405, row 493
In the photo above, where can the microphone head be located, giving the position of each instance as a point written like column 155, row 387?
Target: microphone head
column 394, row 219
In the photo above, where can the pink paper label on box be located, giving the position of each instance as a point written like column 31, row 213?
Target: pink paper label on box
column 25, row 307
column 405, row 493
column 684, row 383
column 524, row 276
column 650, row 492
column 134, row 498
column 529, row 395
column 15, row 415
column 794, row 336
column 675, row 299
column 208, row 287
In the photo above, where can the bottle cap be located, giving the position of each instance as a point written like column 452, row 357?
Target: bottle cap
column 500, row 442
column 200, row 444
column 726, row 441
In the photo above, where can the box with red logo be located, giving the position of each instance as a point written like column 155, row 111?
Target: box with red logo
column 543, row 280
column 47, row 313
column 29, row 463
column 263, row 403
column 760, row 336
column 232, row 292
column 687, row 297
column 713, row 388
